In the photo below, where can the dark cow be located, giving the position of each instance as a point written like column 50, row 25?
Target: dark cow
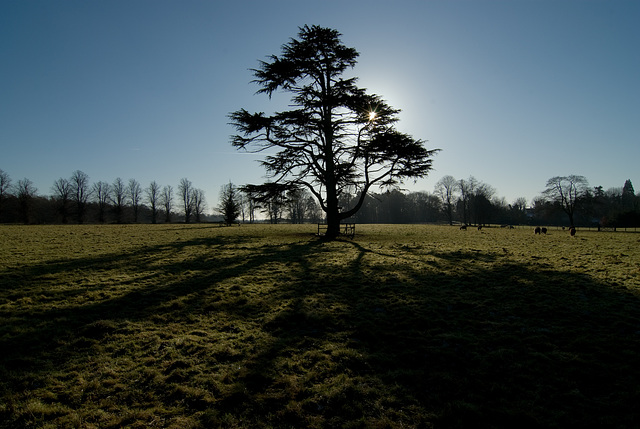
column 537, row 230
column 479, row 227
column 572, row 231
column 463, row 228
column 543, row 230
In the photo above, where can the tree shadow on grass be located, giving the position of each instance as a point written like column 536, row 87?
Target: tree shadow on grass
column 305, row 339
column 493, row 347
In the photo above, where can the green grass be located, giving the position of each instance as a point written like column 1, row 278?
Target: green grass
column 267, row 326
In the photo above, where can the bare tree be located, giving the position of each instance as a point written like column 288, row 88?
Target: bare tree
column 466, row 188
column 273, row 200
column 313, row 210
column 5, row 187
column 25, row 191
column 102, row 194
column 269, row 197
column 153, row 195
column 186, row 195
column 250, row 198
column 199, row 204
column 296, row 203
column 244, row 206
column 118, row 197
column 62, row 192
column 520, row 204
column 134, row 191
column 446, row 189
column 80, row 188
column 166, row 200
column 566, row 192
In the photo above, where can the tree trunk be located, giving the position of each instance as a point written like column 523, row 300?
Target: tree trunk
column 333, row 213
column 333, row 225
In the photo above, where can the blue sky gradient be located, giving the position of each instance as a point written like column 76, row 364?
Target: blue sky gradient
column 513, row 92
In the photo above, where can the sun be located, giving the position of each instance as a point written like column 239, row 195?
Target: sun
column 372, row 116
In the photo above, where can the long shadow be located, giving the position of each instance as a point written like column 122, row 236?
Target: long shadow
column 136, row 303
column 384, row 343
column 498, row 347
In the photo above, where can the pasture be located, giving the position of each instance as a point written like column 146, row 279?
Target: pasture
column 198, row 326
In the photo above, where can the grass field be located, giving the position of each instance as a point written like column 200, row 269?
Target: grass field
column 267, row 326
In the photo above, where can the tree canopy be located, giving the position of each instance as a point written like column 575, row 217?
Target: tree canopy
column 566, row 192
column 335, row 136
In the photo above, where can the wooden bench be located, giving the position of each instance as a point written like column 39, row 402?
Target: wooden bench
column 346, row 229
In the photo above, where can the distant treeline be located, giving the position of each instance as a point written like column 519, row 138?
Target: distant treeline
column 466, row 201
column 604, row 209
column 76, row 200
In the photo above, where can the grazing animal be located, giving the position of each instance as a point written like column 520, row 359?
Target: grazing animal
column 537, row 230
column 463, row 228
column 543, row 230
column 479, row 227
column 572, row 231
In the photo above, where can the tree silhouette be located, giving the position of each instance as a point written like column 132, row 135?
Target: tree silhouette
column 186, row 195
column 25, row 191
column 5, row 186
column 335, row 135
column 251, row 195
column 101, row 193
column 566, row 191
column 199, row 204
column 229, row 203
column 446, row 189
column 80, row 186
column 270, row 197
column 153, row 196
column 628, row 196
column 467, row 188
column 118, row 196
column 134, row 191
column 299, row 206
column 62, row 192
column 166, row 200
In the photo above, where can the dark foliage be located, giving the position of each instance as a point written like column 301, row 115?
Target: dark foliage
column 335, row 137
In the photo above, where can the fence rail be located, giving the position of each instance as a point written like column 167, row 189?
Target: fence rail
column 580, row 228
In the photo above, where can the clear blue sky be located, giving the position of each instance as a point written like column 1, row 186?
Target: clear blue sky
column 513, row 92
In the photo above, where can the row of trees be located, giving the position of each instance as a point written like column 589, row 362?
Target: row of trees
column 572, row 199
column 270, row 202
column 566, row 200
column 76, row 199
